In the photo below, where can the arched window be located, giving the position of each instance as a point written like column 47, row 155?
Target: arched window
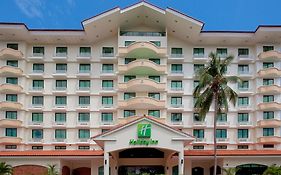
column 197, row 171
column 175, row 170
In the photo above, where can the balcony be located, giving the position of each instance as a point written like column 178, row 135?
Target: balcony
column 269, row 73
column 142, row 67
column 142, row 103
column 10, row 88
column 245, row 124
column 37, row 57
column 9, row 53
column 269, row 123
column 10, row 123
column 270, row 56
column 142, row 84
column 7, row 105
column 269, row 106
column 269, row 139
column 200, row 58
column 245, row 59
column 60, row 56
column 142, row 50
column 84, row 56
column 272, row 89
column 12, row 140
column 11, row 71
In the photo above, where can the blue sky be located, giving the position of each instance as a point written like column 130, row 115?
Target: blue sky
column 216, row 14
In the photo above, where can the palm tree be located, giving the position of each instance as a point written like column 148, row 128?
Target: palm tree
column 273, row 170
column 212, row 87
column 5, row 169
column 52, row 170
column 230, row 171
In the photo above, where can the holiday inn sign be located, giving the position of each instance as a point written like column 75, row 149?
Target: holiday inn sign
column 144, row 136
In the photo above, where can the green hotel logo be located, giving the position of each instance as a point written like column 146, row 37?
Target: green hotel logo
column 144, row 130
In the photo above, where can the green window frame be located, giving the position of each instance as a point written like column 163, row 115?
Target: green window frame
column 61, row 84
column 243, row 117
column 176, row 101
column 198, row 52
column 37, row 133
column 176, row 85
column 222, row 117
column 84, row 100
column 37, row 100
column 11, row 115
column 198, row 67
column 12, row 63
column 129, row 77
column 199, row 133
column 268, row 98
column 107, row 68
column 11, row 132
column 157, row 43
column 155, row 78
column 38, row 84
column 84, row 68
column 84, row 134
column 222, row 52
column 129, row 60
column 84, row 84
column 107, row 100
column 37, row 117
column 267, row 115
column 60, row 100
column 268, row 82
column 107, row 117
column 243, row 69
column 12, row 80
column 243, row 85
column 85, row 51
column 176, row 117
column 108, row 51
column 127, row 43
column 60, row 117
column 267, row 48
column 14, row 46
column 60, row 134
column 61, row 68
column 38, row 68
column 268, row 131
column 128, row 95
column 242, row 133
column 12, row 97
column 176, row 52
column 243, row 101
column 107, row 84
column 83, row 116
column 176, row 68
column 154, row 95
column 243, row 52
column 266, row 65
column 155, row 60
column 38, row 51
column 129, row 113
column 154, row 113
column 61, row 51
column 221, row 133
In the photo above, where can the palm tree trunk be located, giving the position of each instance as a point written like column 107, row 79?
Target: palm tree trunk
column 215, row 133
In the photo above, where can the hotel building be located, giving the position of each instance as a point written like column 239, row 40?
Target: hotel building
column 116, row 96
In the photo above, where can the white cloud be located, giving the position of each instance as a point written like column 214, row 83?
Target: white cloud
column 31, row 8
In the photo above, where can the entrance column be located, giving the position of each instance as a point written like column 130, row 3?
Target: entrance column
column 106, row 163
column 181, row 162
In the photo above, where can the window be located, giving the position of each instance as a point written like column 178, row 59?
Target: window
column 84, row 100
column 243, row 85
column 154, row 95
column 198, row 52
column 84, row 134
column 268, row 146
column 268, row 48
column 107, row 84
column 37, row 100
column 12, row 80
column 61, row 84
column 107, row 117
column 38, row 84
column 61, row 100
column 157, row 43
column 108, row 51
column 60, row 134
column 268, row 115
column 37, row 117
column 10, row 146
column 107, row 68
column 130, row 33
column 176, row 117
column 176, row 101
column 11, row 132
column 176, row 68
column 221, row 133
column 268, row 98
column 85, row 51
column 268, row 82
column 83, row 117
column 38, row 51
column 128, row 60
column 222, row 52
column 107, row 100
column 243, row 117
column 60, row 117
column 222, row 117
column 61, row 51
column 266, row 65
column 84, row 84
column 13, row 63
column 243, row 52
column 83, row 147
column 128, row 113
column 243, row 133
column 176, row 85
column 12, row 97
column 37, row 147
column 198, row 67
column 243, row 147
column 243, row 69
column 61, row 68
column 243, row 101
column 198, row 133
column 268, row 131
column 128, row 95
column 14, row 46
column 155, row 78
column 195, row 83
column 221, row 146
column 11, row 115
column 127, row 43
column 38, row 68
column 155, row 60
column 60, row 147
column 129, row 77
column 154, row 113
column 84, row 68
column 196, row 117
column 198, row 147
column 37, row 133
column 176, row 52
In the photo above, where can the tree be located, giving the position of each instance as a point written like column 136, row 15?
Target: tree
column 230, row 171
column 212, row 87
column 5, row 169
column 52, row 170
column 273, row 170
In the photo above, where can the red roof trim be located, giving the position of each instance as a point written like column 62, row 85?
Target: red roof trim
column 233, row 152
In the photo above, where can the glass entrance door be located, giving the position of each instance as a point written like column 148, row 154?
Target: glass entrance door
column 141, row 170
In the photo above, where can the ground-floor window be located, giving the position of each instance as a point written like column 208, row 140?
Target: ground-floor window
column 251, row 169
column 175, row 170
